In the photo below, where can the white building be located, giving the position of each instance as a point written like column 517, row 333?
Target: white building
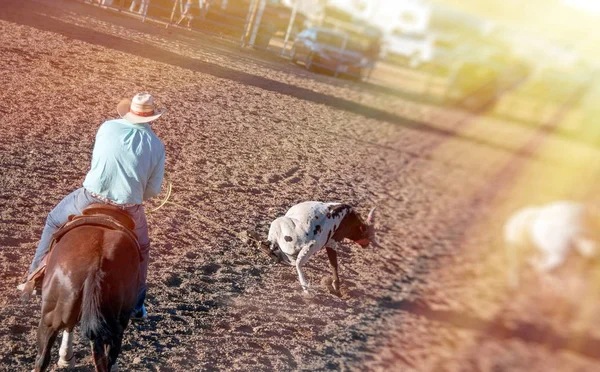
column 410, row 16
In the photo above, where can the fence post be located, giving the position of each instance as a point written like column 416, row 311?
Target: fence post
column 201, row 9
column 451, row 80
column 290, row 26
column 249, row 18
column 145, row 4
column 428, row 80
column 172, row 13
column 344, row 43
column 261, row 9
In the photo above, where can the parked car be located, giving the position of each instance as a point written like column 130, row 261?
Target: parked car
column 329, row 51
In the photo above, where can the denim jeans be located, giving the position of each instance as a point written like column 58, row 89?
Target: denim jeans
column 75, row 203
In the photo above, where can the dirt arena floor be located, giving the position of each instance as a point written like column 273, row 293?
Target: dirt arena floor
column 247, row 137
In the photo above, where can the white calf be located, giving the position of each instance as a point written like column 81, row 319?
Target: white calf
column 553, row 230
column 309, row 226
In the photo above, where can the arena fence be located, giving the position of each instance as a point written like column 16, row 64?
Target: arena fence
column 223, row 18
column 543, row 96
column 271, row 27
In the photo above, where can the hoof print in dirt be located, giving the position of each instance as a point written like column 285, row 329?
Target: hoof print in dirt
column 288, row 276
column 173, row 280
column 245, row 237
column 191, row 255
column 210, row 269
column 299, row 299
column 249, row 237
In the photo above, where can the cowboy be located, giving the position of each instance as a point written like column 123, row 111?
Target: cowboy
column 127, row 168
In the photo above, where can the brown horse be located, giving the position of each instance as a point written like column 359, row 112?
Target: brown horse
column 91, row 278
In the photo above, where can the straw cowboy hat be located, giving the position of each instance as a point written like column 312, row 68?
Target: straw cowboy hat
column 140, row 109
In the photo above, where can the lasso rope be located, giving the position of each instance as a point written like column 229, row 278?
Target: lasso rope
column 169, row 188
column 244, row 236
column 200, row 217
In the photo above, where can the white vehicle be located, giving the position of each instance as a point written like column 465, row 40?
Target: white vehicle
column 416, row 48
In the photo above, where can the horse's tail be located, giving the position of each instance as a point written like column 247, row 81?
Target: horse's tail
column 93, row 323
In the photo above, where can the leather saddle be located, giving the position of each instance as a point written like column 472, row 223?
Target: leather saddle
column 98, row 214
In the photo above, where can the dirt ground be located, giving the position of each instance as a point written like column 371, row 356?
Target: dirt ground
column 247, row 137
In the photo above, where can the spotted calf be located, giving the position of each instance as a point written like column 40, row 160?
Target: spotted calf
column 309, row 226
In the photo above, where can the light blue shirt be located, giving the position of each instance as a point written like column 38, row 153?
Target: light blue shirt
column 128, row 162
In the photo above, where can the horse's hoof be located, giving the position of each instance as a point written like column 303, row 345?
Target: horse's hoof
column 308, row 292
column 115, row 367
column 335, row 291
column 335, row 286
column 66, row 363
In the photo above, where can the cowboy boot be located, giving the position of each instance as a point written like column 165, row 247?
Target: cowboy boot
column 32, row 284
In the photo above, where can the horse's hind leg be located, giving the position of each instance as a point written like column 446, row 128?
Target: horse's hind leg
column 45, row 339
column 100, row 361
column 113, row 350
column 66, row 354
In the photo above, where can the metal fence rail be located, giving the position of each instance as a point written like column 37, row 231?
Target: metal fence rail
column 272, row 28
column 211, row 17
